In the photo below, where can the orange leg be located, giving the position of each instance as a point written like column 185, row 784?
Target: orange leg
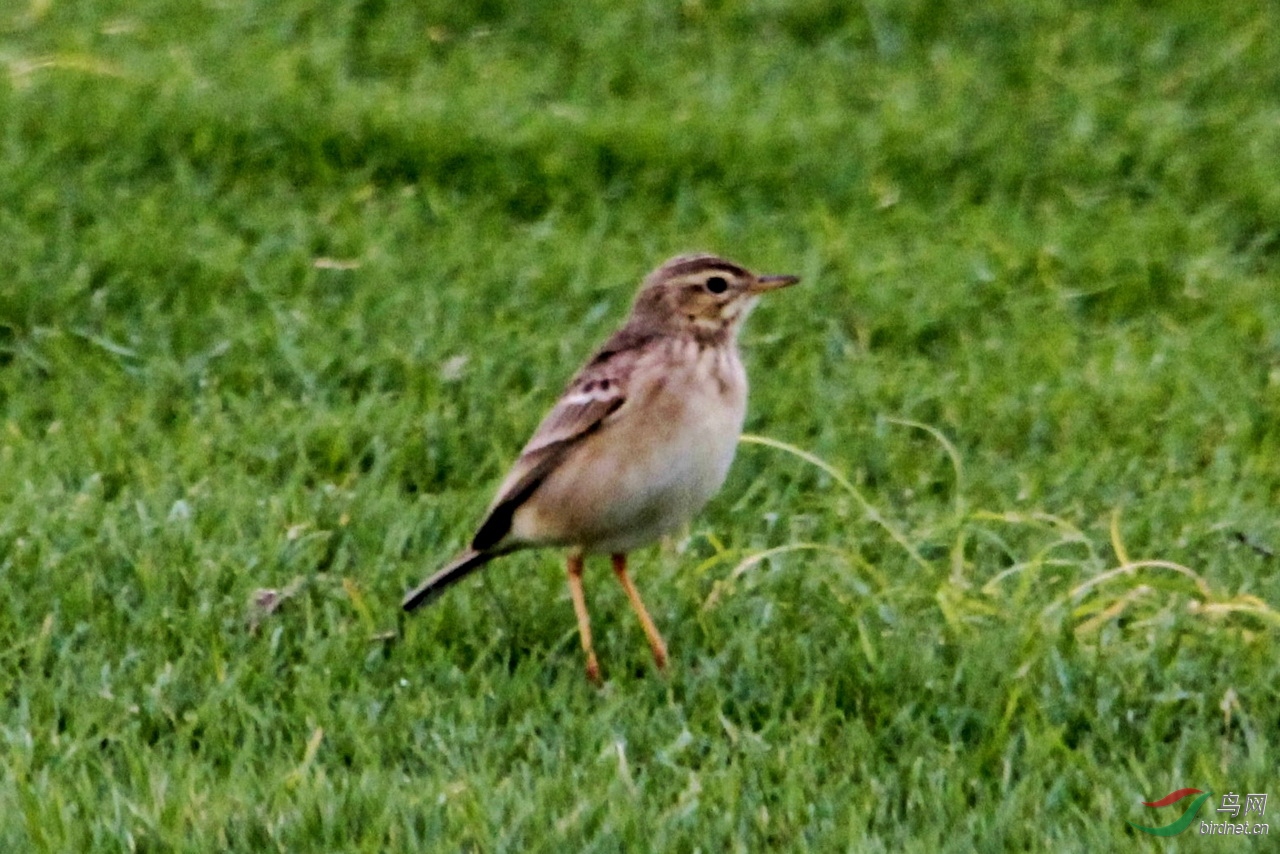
column 584, row 621
column 656, row 643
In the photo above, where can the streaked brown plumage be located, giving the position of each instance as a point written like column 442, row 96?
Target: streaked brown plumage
column 639, row 441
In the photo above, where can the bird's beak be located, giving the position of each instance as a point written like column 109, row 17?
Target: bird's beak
column 771, row 283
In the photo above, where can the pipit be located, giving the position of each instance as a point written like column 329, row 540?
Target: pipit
column 640, row 440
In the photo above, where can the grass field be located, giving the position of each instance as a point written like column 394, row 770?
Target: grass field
column 284, row 286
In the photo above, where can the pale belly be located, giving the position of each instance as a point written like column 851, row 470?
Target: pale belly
column 647, row 473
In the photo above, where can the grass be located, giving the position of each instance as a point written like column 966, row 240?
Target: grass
column 998, row 564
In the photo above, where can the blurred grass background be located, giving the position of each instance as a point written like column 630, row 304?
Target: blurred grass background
column 283, row 288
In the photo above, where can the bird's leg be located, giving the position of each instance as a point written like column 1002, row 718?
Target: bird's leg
column 656, row 643
column 584, row 621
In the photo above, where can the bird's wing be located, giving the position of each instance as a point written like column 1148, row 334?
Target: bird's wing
column 593, row 398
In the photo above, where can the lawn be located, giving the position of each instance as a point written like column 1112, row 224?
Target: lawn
column 284, row 287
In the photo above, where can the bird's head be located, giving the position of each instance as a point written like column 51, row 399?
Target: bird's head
column 702, row 295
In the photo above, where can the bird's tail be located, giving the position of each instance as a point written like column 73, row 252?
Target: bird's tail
column 458, row 569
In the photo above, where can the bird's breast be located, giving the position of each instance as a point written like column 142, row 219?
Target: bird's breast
column 655, row 466
column 707, row 406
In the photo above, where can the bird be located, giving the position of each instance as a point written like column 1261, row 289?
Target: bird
column 640, row 439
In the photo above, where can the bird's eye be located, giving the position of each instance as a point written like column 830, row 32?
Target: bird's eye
column 717, row 285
